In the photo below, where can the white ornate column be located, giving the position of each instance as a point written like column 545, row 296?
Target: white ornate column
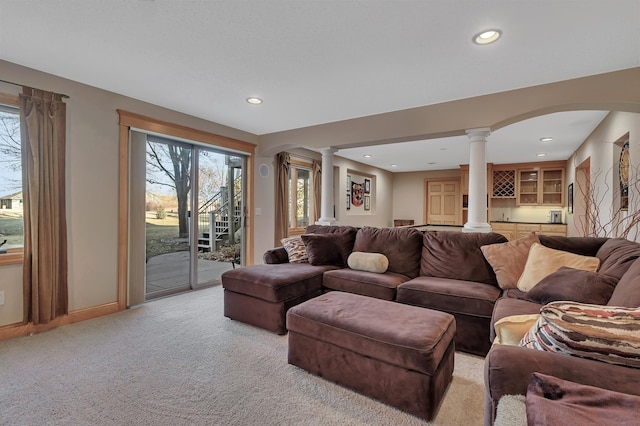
column 326, row 210
column 477, row 208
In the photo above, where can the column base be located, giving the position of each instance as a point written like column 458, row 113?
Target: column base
column 476, row 227
column 326, row 221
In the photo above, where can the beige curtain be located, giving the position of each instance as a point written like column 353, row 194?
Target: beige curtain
column 316, row 178
column 283, row 160
column 43, row 124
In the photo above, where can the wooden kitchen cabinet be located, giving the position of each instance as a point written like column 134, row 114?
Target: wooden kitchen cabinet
column 527, row 194
column 524, row 229
column 506, row 229
column 559, row 230
column 540, row 186
column 552, row 187
column 513, row 230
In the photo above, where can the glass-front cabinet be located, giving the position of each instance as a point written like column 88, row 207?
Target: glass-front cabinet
column 552, row 187
column 540, row 187
column 528, row 187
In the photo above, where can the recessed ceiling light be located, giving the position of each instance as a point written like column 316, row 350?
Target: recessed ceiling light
column 547, row 139
column 254, row 101
column 487, row 36
column 367, row 156
column 394, row 165
column 541, row 154
column 432, row 163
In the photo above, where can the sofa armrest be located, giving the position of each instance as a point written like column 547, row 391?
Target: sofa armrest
column 507, row 371
column 276, row 255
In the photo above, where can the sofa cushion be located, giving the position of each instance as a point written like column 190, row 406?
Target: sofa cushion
column 295, row 248
column 401, row 246
column 574, row 285
column 508, row 259
column 369, row 262
column 457, row 255
column 346, row 243
column 506, row 307
column 510, row 330
column 450, row 295
column 616, row 256
column 380, row 286
column 584, row 246
column 543, row 261
column 604, row 333
column 627, row 291
column 325, row 249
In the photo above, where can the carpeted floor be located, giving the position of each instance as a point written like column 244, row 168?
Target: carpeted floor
column 179, row 361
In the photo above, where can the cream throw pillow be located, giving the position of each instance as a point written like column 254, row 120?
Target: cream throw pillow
column 510, row 330
column 370, row 262
column 543, row 261
column 508, row 259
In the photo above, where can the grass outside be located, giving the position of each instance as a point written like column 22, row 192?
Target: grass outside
column 162, row 235
column 11, row 228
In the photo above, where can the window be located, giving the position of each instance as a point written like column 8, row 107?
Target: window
column 299, row 196
column 11, row 217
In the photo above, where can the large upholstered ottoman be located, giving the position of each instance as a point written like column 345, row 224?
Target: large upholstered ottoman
column 260, row 295
column 399, row 354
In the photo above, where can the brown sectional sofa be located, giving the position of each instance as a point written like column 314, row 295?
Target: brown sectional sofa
column 447, row 271
column 441, row 270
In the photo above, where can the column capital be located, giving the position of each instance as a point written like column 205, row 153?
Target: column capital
column 481, row 132
column 328, row 150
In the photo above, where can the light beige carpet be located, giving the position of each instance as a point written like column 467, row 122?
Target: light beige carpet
column 179, row 361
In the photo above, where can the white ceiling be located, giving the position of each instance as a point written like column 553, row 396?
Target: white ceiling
column 319, row 61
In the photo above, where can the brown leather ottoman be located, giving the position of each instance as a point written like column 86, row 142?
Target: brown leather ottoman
column 401, row 355
column 260, row 295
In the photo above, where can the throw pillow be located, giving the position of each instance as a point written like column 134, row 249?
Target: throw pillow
column 510, row 330
column 604, row 333
column 573, row 285
column 370, row 262
column 295, row 249
column 543, row 261
column 627, row 292
column 508, row 259
column 323, row 249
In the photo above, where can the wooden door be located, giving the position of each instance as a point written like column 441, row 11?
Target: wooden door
column 443, row 205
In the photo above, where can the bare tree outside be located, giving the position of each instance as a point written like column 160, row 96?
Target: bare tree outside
column 10, row 152
column 172, row 162
column 11, row 215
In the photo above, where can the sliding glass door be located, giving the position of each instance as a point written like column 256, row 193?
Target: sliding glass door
column 194, row 215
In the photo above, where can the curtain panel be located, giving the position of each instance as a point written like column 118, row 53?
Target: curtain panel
column 43, row 134
column 283, row 162
column 316, row 177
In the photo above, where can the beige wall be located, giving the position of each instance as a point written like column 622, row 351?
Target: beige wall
column 379, row 215
column 409, row 192
column 598, row 147
column 92, row 185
